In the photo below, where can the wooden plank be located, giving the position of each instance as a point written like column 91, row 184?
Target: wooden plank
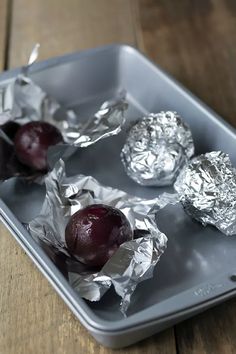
column 65, row 26
column 3, row 30
column 211, row 332
column 33, row 319
column 194, row 41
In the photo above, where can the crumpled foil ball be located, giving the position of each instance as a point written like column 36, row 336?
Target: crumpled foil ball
column 207, row 190
column 156, row 149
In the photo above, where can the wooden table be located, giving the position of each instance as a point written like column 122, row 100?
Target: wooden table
column 195, row 41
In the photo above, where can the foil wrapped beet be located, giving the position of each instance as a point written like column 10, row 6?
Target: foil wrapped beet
column 92, row 223
column 23, row 101
column 207, row 190
column 156, row 149
column 23, row 148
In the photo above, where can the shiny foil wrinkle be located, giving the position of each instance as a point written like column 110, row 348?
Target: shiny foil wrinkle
column 207, row 190
column 156, row 149
column 132, row 263
column 22, row 100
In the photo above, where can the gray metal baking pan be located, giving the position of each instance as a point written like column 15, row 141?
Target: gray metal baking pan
column 198, row 269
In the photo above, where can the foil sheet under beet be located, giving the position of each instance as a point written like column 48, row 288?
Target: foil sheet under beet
column 132, row 263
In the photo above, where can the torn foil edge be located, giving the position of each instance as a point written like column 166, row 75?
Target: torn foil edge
column 133, row 262
column 22, row 100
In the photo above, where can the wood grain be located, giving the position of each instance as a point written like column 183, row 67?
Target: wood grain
column 33, row 319
column 194, row 40
column 62, row 26
column 211, row 332
column 3, row 31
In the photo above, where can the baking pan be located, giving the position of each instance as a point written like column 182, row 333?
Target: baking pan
column 198, row 269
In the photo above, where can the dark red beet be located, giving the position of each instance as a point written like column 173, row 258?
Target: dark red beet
column 94, row 233
column 32, row 141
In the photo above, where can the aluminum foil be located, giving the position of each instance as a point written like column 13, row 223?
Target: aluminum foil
column 22, row 100
column 156, row 149
column 132, row 263
column 207, row 190
column 107, row 121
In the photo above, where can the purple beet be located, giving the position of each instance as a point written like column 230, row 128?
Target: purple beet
column 32, row 141
column 94, row 233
